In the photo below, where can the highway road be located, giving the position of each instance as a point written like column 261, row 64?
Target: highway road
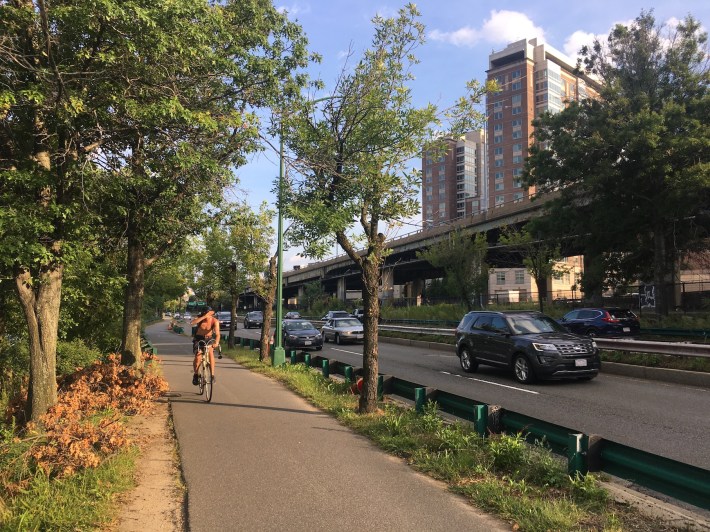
column 665, row 419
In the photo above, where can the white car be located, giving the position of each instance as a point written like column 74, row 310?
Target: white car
column 342, row 330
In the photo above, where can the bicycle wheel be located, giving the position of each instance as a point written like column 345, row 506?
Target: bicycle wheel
column 201, row 383
column 207, row 377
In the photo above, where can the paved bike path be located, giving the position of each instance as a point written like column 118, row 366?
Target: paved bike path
column 259, row 457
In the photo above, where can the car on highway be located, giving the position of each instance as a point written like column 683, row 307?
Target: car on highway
column 301, row 334
column 343, row 330
column 292, row 315
column 255, row 318
column 531, row 344
column 359, row 314
column 611, row 321
column 187, row 316
column 336, row 314
column 225, row 320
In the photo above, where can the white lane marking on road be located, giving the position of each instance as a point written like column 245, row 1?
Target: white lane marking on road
column 344, row 351
column 493, row 383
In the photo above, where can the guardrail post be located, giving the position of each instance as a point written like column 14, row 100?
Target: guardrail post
column 481, row 419
column 251, row 343
column 576, row 454
column 326, row 368
column 419, row 399
column 307, row 360
column 293, row 357
column 348, row 370
column 242, row 342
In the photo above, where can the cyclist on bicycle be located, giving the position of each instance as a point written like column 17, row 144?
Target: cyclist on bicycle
column 207, row 327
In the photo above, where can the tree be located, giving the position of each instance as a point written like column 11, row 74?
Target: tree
column 462, row 256
column 631, row 165
column 154, row 92
column 237, row 251
column 352, row 153
column 539, row 256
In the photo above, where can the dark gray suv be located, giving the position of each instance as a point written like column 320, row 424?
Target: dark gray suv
column 532, row 344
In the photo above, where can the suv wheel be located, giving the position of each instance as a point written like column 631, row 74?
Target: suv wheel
column 592, row 333
column 468, row 363
column 523, row 370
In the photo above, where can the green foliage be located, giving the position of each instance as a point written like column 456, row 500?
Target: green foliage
column 640, row 148
column 84, row 501
column 73, row 355
column 462, row 257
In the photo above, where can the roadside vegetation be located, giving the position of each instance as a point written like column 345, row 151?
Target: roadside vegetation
column 64, row 472
column 524, row 484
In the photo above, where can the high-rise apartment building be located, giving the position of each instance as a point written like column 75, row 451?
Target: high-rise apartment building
column 532, row 78
column 454, row 184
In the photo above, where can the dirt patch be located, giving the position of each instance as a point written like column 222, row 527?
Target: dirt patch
column 156, row 503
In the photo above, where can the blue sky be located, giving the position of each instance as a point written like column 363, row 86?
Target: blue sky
column 460, row 36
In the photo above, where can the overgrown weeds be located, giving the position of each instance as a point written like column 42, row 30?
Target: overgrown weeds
column 524, row 484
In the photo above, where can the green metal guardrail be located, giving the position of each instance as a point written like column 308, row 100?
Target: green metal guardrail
column 670, row 477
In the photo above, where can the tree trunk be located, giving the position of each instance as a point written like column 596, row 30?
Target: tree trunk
column 40, row 302
column 232, row 319
column 660, row 270
column 541, row 291
column 267, row 309
column 370, row 354
column 133, row 304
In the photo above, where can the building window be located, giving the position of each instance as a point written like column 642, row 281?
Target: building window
column 500, row 277
column 517, row 197
column 517, row 99
column 517, row 183
column 517, row 134
column 428, row 179
column 497, row 139
column 517, row 110
column 517, row 159
column 498, row 115
column 498, row 127
column 442, row 169
column 517, row 86
column 499, row 176
column 498, row 151
column 500, row 186
column 499, row 163
column 517, row 172
column 518, row 147
column 516, row 123
column 515, row 74
column 519, row 276
column 500, row 200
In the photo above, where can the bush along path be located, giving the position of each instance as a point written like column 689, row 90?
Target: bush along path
column 65, row 472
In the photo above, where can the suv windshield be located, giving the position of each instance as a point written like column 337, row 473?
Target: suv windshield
column 533, row 324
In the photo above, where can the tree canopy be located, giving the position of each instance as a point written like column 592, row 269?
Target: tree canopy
column 632, row 165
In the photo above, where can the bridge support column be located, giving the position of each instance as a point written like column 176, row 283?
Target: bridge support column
column 416, row 289
column 301, row 295
column 342, row 291
column 387, row 288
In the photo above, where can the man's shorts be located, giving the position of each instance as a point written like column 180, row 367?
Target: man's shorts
column 196, row 340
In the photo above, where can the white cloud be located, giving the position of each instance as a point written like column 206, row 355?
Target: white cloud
column 577, row 40
column 501, row 27
column 295, row 9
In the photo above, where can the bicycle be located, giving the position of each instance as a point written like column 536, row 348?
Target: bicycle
column 205, row 369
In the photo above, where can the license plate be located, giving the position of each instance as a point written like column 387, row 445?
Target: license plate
column 307, row 342
column 358, row 336
column 627, row 329
column 580, row 362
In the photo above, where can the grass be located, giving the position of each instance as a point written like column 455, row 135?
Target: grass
column 84, row 501
column 524, row 484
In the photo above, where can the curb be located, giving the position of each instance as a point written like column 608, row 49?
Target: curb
column 674, row 376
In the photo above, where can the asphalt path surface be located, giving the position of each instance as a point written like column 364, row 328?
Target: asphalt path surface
column 258, row 457
column 669, row 420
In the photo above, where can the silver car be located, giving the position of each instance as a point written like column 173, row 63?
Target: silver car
column 342, row 330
